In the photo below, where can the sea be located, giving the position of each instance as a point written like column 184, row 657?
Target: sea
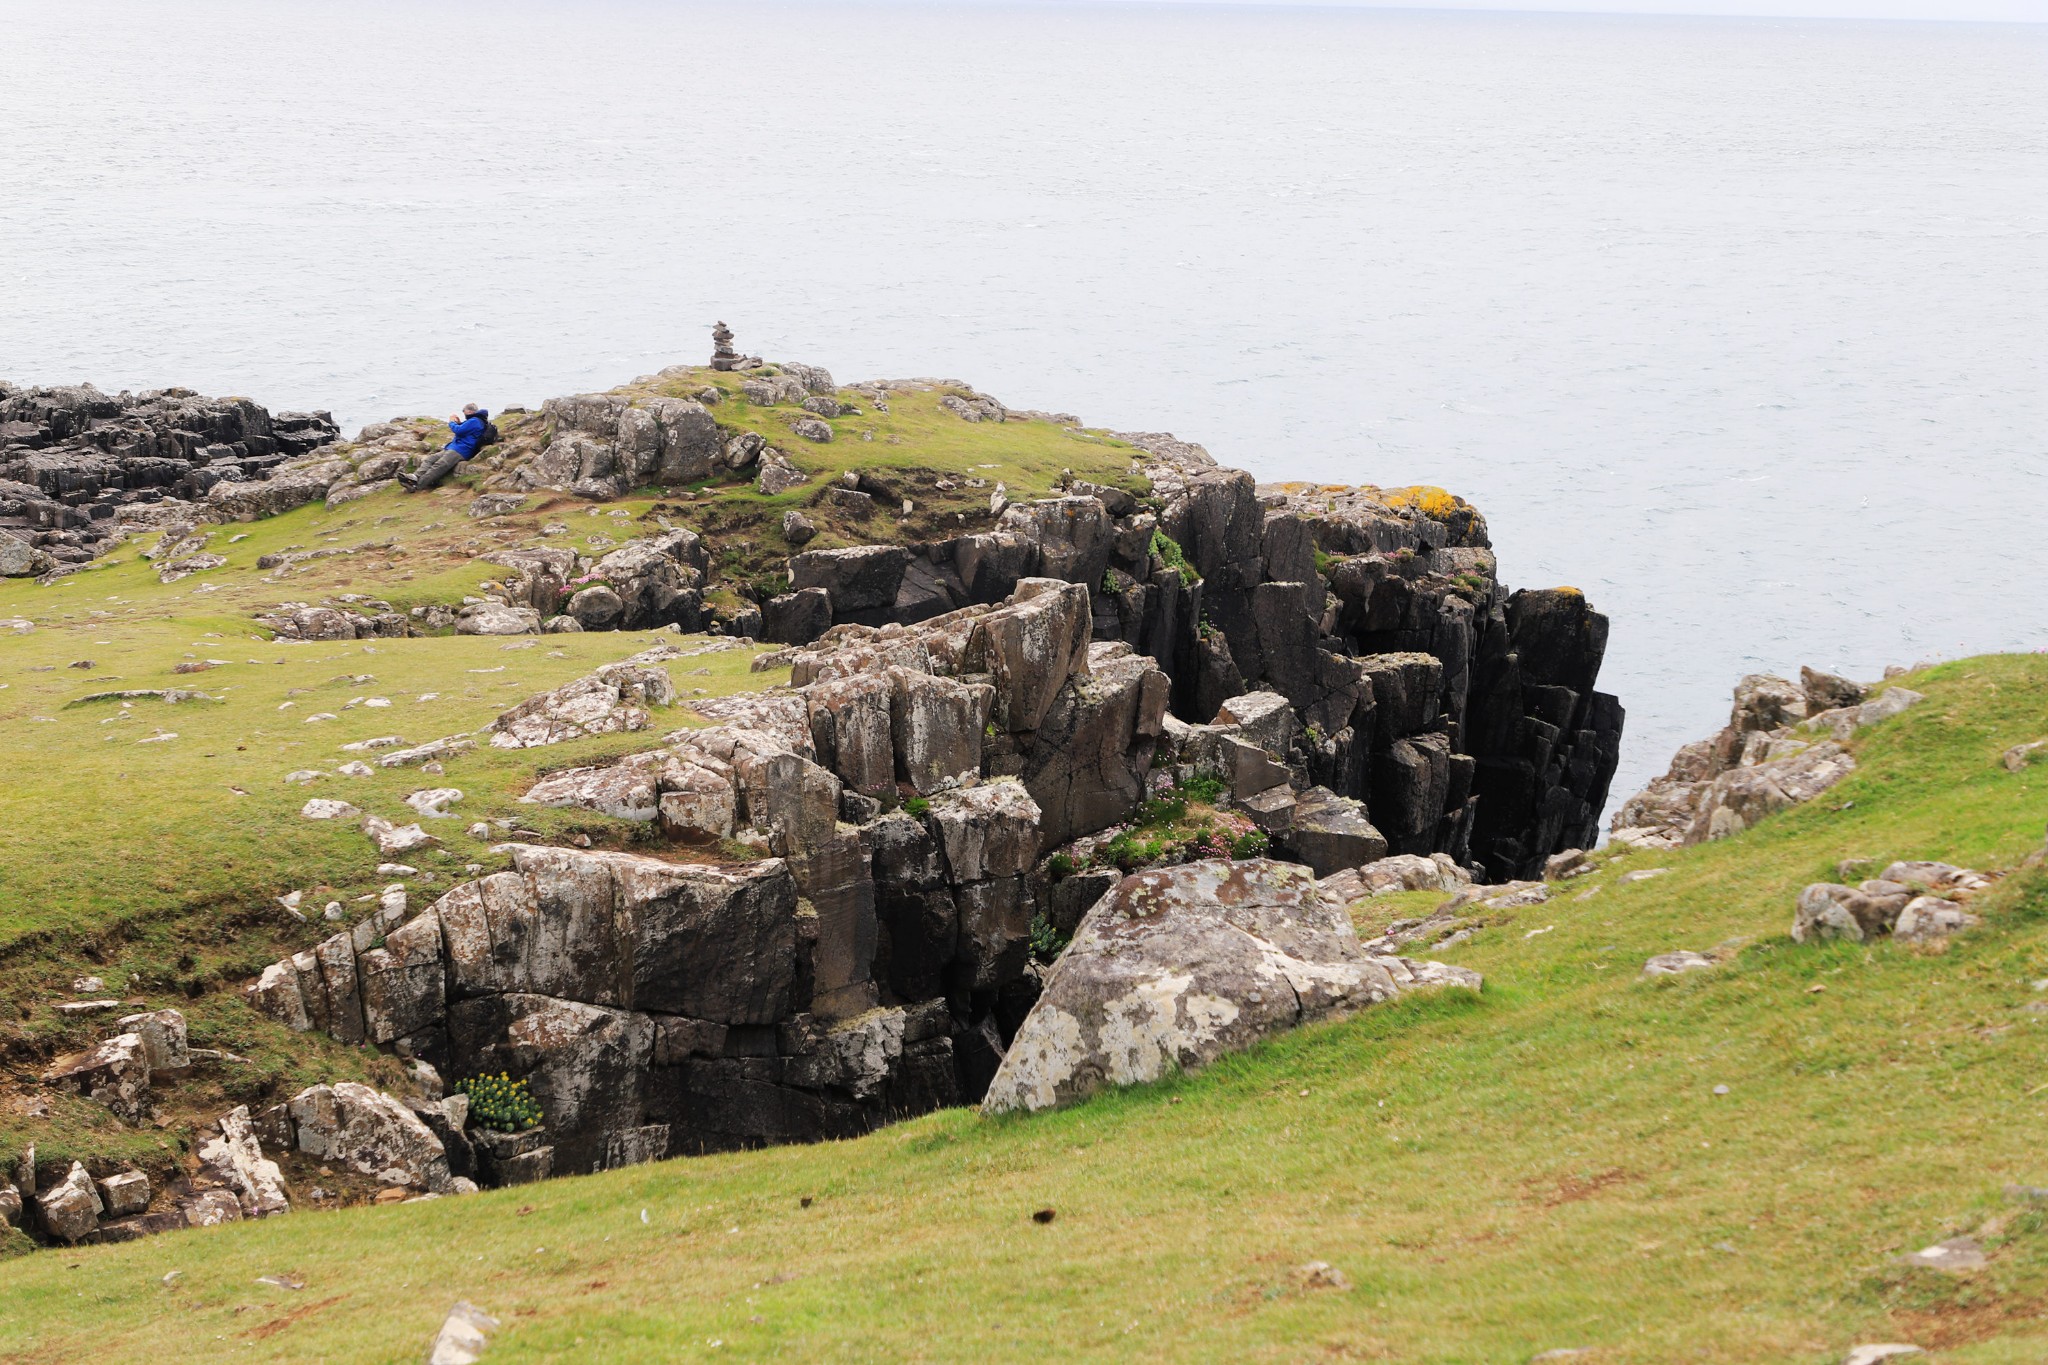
column 1736, row 324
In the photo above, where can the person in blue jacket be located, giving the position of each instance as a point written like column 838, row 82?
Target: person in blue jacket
column 467, row 436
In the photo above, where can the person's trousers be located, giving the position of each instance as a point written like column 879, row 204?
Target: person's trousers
column 437, row 468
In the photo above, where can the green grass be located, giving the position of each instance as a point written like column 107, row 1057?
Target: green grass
column 107, row 828
column 1545, row 1166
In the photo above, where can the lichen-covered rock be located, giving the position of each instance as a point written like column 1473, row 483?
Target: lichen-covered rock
column 987, row 831
column 584, row 1063
column 1029, row 648
column 1930, row 919
column 1331, row 833
column 71, row 1208
column 236, row 1159
column 493, row 618
column 1177, row 967
column 164, row 1040
column 611, row 700
column 124, row 1193
column 115, row 1073
column 626, row 790
column 371, row 1133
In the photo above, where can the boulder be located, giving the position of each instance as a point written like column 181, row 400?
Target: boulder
column 777, row 475
column 1827, row 910
column 991, row 830
column 596, row 607
column 71, row 1208
column 1929, row 919
column 1264, row 718
column 235, row 1158
column 124, row 1194
column 1331, row 833
column 1678, row 963
column 464, row 1334
column 1405, row 872
column 861, row 579
column 494, row 618
column 19, row 559
column 371, row 1133
column 1933, row 876
column 392, row 840
column 322, row 808
column 658, row 580
column 1828, row 691
column 796, row 618
column 1179, row 966
column 115, row 1073
column 164, row 1040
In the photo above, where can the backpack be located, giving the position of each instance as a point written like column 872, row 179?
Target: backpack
column 490, row 436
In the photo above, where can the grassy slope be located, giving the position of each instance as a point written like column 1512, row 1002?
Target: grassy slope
column 112, row 828
column 1543, row 1167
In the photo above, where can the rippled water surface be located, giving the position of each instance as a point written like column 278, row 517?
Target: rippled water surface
column 1737, row 325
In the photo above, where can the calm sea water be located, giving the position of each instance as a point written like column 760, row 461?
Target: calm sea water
column 1737, row 325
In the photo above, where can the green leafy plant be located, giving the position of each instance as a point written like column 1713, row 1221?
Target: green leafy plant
column 500, row 1103
column 1201, row 787
column 1059, row 866
column 1168, row 549
column 1251, row 844
column 1109, row 587
column 917, row 807
column 1047, row 943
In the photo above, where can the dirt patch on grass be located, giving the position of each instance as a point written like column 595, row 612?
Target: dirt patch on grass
column 1945, row 1326
column 1578, row 1187
column 279, row 1323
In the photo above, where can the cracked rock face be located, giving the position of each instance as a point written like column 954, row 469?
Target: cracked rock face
column 370, row 1132
column 1175, row 968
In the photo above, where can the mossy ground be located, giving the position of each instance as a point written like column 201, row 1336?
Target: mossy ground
column 1543, row 1166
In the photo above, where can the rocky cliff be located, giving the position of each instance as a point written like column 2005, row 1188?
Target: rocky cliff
column 1024, row 659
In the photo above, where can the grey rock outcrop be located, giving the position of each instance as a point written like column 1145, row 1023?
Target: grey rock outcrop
column 371, row 1133
column 1769, row 757
column 74, row 459
column 604, row 445
column 1175, row 968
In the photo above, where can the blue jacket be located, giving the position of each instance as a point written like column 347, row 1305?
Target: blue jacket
column 469, row 434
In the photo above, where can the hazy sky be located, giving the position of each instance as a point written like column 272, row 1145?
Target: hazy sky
column 2023, row 11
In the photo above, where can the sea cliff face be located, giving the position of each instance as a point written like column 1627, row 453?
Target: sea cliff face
column 1024, row 659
